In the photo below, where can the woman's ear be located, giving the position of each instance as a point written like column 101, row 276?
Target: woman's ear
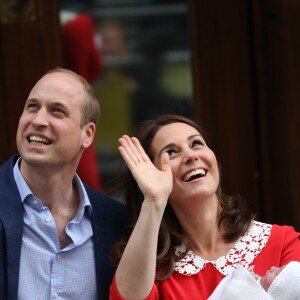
column 88, row 134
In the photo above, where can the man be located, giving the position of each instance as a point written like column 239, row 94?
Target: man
column 55, row 232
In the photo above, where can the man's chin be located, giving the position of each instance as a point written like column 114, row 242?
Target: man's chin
column 35, row 159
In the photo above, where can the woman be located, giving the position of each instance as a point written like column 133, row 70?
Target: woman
column 187, row 236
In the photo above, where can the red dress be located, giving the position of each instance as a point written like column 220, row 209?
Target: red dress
column 263, row 246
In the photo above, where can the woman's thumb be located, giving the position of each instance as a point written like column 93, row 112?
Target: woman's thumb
column 165, row 162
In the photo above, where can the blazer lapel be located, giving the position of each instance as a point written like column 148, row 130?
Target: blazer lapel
column 11, row 215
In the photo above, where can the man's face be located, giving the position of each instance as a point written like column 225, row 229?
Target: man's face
column 49, row 133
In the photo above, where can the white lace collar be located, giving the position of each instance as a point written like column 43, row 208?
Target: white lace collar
column 243, row 252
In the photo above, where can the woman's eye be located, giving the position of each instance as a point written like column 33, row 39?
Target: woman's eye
column 197, row 143
column 171, row 152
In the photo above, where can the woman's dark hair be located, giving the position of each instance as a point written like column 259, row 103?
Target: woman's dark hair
column 233, row 210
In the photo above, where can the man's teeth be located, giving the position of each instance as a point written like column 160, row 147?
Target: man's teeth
column 200, row 172
column 37, row 139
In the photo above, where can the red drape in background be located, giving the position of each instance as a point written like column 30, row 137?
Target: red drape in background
column 83, row 57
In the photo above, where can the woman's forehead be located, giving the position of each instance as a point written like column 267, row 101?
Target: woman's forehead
column 175, row 131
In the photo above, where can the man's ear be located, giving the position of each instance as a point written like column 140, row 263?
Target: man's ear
column 88, row 134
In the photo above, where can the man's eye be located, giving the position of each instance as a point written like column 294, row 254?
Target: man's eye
column 31, row 105
column 59, row 111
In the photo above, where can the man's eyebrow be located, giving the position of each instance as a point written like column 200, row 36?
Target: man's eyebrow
column 173, row 144
column 59, row 104
column 51, row 104
column 31, row 100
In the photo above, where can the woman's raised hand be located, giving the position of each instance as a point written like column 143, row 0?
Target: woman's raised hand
column 136, row 271
column 155, row 184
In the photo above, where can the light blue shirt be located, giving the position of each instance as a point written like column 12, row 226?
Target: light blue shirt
column 46, row 271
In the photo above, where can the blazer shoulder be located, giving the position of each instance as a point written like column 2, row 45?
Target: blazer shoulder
column 106, row 204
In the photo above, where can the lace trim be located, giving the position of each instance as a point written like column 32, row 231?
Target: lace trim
column 243, row 252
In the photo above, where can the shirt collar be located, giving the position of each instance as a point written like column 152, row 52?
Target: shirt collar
column 25, row 191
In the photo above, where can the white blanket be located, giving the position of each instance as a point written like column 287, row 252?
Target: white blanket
column 239, row 285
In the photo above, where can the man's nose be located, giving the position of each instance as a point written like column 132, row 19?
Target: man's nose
column 40, row 118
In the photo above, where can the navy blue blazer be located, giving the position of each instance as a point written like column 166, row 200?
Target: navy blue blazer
column 108, row 220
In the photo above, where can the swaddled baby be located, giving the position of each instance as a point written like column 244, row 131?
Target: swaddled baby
column 279, row 283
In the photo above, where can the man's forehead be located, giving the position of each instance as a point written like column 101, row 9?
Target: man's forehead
column 61, row 76
column 58, row 82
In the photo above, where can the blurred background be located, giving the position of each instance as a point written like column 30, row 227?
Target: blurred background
column 146, row 68
column 233, row 66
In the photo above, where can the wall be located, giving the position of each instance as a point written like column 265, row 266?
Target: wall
column 29, row 46
column 246, row 85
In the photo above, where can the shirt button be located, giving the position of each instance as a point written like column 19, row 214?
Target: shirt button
column 35, row 202
column 47, row 219
column 55, row 295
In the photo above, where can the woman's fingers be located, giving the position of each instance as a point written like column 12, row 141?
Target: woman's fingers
column 140, row 149
column 129, row 150
column 153, row 182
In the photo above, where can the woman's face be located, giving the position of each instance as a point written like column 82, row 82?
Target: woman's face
column 194, row 165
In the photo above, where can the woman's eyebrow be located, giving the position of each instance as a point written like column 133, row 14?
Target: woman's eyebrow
column 194, row 135
column 173, row 144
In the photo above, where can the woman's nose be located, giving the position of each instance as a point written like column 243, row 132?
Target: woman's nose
column 190, row 156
